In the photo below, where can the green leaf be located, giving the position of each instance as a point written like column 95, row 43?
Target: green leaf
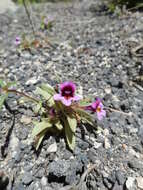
column 43, row 93
column 48, row 88
column 70, row 136
column 46, row 95
column 72, row 123
column 9, row 84
column 84, row 102
column 2, row 83
column 40, row 139
column 59, row 125
column 38, row 107
column 40, row 127
column 85, row 116
column 50, row 101
column 2, row 99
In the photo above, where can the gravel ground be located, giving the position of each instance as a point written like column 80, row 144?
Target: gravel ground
column 97, row 51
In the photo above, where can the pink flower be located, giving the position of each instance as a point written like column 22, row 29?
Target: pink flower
column 97, row 107
column 17, row 41
column 67, row 94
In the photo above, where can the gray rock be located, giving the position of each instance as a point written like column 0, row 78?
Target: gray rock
column 20, row 186
column 117, row 187
column 137, row 148
column 40, row 172
column 18, row 156
column 107, row 183
column 120, row 177
column 27, row 178
column 4, row 180
column 59, row 168
column 140, row 132
column 135, row 164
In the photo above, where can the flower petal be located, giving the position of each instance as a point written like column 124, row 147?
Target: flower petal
column 77, row 98
column 66, row 102
column 68, row 84
column 101, row 114
column 57, row 97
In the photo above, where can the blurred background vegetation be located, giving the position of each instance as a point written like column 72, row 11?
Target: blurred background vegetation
column 129, row 4
column 111, row 4
column 40, row 1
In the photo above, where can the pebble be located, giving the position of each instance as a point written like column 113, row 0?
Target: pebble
column 26, row 120
column 27, row 178
column 52, row 148
column 44, row 181
column 107, row 143
column 139, row 182
column 135, row 164
column 33, row 80
column 117, row 187
column 97, row 145
column 130, row 183
column 120, row 177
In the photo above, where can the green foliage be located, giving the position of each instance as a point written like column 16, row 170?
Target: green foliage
column 70, row 135
column 85, row 102
column 2, row 99
column 40, row 127
column 46, row 91
column 3, row 91
column 85, row 117
column 72, row 122
column 130, row 4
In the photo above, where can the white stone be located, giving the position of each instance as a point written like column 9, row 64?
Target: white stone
column 44, row 181
column 14, row 142
column 97, row 145
column 108, row 90
column 52, row 148
column 139, row 182
column 107, row 143
column 130, row 183
column 26, row 120
column 31, row 81
column 106, row 132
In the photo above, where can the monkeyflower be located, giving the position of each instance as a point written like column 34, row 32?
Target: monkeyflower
column 17, row 41
column 97, row 107
column 67, row 94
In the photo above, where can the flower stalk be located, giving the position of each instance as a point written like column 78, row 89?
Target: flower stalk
column 22, row 94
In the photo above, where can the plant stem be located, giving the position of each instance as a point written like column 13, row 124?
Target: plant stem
column 22, row 94
column 118, row 111
column 29, row 17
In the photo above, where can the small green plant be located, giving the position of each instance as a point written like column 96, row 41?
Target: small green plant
column 60, row 110
column 46, row 23
column 3, row 91
column 129, row 4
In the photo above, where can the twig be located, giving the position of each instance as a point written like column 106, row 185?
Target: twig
column 136, row 7
column 137, row 86
column 135, row 49
column 118, row 111
column 22, row 94
column 78, row 186
column 29, row 17
column 92, row 167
